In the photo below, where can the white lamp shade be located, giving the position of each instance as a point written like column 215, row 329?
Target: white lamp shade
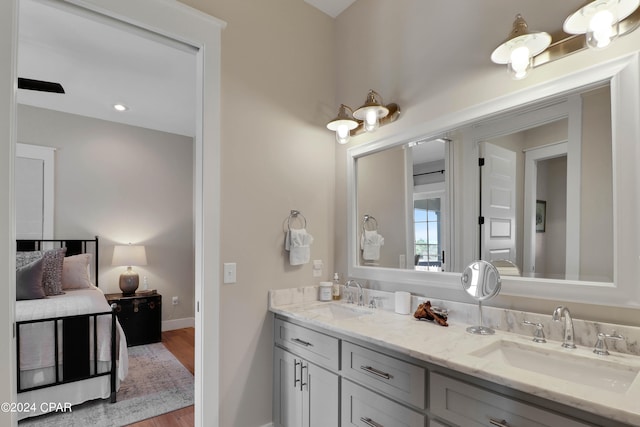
column 535, row 42
column 129, row 255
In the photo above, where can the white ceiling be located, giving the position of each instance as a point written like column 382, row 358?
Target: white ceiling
column 100, row 63
column 333, row 8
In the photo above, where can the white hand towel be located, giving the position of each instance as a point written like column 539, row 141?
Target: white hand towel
column 370, row 243
column 298, row 244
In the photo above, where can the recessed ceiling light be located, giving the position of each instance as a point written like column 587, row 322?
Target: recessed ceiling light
column 120, row 107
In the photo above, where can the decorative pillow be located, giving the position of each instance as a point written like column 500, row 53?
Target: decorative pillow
column 75, row 272
column 29, row 281
column 24, row 258
column 52, row 269
column 52, row 272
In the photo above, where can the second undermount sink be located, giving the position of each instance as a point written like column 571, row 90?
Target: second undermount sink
column 340, row 311
column 563, row 364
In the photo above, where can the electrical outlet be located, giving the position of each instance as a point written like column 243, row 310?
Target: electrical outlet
column 174, row 301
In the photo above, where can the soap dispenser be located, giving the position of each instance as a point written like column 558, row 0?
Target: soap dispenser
column 335, row 292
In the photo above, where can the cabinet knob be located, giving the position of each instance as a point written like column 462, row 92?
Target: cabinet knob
column 152, row 305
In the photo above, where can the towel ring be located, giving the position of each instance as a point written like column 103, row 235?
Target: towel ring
column 371, row 222
column 296, row 215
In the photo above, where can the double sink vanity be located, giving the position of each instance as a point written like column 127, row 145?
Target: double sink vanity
column 340, row 364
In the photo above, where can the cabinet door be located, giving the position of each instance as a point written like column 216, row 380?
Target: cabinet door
column 287, row 394
column 320, row 396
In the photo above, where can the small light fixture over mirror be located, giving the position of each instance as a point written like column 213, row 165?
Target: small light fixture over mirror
column 343, row 124
column 371, row 111
column 367, row 118
column 600, row 20
column 520, row 48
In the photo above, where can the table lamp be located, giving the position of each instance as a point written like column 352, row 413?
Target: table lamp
column 129, row 255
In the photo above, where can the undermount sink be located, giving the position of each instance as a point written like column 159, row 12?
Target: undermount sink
column 590, row 371
column 340, row 311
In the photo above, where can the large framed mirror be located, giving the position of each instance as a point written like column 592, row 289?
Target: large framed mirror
column 543, row 181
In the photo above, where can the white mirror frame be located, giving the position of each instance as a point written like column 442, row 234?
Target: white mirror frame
column 624, row 77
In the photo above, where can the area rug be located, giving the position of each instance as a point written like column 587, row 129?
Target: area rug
column 157, row 383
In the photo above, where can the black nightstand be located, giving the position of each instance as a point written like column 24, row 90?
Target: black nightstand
column 140, row 316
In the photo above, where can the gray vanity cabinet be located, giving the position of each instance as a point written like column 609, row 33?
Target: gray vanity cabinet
column 305, row 395
column 306, row 383
column 321, row 380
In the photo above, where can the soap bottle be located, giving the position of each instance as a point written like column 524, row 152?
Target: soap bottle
column 335, row 292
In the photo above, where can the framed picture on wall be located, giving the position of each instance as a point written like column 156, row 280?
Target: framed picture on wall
column 541, row 215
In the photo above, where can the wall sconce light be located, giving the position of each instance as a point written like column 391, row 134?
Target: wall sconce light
column 343, row 124
column 367, row 118
column 599, row 20
column 520, row 48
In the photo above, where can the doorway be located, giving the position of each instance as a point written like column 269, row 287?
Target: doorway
column 178, row 22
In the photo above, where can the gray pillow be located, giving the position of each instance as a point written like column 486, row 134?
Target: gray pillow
column 29, row 281
column 51, row 270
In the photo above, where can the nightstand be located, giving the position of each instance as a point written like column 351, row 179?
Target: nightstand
column 140, row 316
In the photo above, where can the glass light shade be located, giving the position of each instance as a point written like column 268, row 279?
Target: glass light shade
column 129, row 255
column 520, row 62
column 603, row 28
column 343, row 134
column 599, row 20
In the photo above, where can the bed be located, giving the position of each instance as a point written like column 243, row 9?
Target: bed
column 70, row 346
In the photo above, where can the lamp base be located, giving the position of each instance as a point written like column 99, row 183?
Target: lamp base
column 129, row 281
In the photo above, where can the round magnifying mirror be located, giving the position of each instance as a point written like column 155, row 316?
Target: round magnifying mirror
column 481, row 280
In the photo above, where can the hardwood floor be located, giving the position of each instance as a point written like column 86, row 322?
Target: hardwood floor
column 180, row 342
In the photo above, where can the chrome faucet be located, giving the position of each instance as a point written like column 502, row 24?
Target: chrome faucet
column 558, row 314
column 350, row 297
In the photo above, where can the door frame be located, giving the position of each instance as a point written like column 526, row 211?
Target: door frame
column 176, row 21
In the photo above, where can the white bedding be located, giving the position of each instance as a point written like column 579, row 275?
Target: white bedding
column 37, row 340
column 37, row 349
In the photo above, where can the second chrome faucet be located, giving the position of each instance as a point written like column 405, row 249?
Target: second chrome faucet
column 562, row 312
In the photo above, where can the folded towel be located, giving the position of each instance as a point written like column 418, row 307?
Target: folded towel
column 298, row 244
column 370, row 242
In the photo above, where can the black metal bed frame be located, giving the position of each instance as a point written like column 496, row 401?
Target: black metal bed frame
column 76, row 351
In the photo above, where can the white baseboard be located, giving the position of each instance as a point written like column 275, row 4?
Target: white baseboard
column 170, row 325
column 268, row 425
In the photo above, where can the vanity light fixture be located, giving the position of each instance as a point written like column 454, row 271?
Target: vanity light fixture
column 371, row 111
column 600, row 20
column 520, row 48
column 367, row 118
column 343, row 124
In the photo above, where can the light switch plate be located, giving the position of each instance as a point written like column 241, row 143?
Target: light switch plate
column 229, row 272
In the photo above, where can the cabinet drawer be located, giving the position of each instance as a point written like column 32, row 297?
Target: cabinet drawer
column 314, row 346
column 393, row 377
column 468, row 405
column 364, row 408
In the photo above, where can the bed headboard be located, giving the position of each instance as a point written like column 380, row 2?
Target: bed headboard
column 74, row 247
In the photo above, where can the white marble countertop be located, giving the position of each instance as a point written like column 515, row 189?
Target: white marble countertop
column 452, row 347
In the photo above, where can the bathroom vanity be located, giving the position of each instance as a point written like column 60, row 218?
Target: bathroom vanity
column 338, row 364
